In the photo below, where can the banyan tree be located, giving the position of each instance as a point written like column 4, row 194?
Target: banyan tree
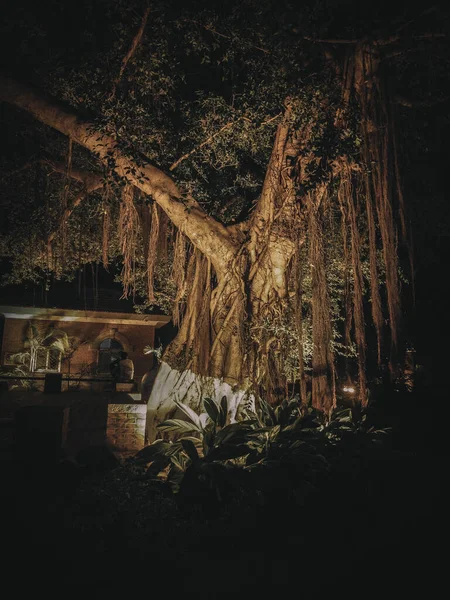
column 244, row 166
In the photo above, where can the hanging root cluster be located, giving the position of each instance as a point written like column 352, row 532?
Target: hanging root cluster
column 106, row 224
column 65, row 197
column 323, row 387
column 369, row 194
column 155, row 230
column 335, row 293
column 350, row 206
column 191, row 348
column 179, row 276
column 381, row 165
column 129, row 230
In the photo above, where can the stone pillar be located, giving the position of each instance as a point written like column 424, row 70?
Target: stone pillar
column 125, row 428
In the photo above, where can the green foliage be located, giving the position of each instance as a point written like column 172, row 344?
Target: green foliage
column 209, row 458
column 37, row 339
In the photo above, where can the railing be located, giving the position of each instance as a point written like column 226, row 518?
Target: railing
column 82, row 376
column 55, row 382
column 41, row 377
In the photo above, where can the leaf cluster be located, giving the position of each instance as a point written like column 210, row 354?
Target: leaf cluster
column 211, row 461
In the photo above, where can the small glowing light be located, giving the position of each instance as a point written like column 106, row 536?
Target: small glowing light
column 350, row 390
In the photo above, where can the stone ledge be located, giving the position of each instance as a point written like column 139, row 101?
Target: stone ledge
column 124, row 387
column 127, row 408
column 125, row 398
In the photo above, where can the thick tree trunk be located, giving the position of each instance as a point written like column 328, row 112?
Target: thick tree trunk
column 227, row 344
column 222, row 348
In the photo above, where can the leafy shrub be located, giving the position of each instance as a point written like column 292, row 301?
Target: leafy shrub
column 271, row 454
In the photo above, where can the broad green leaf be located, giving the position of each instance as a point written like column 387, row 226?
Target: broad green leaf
column 259, row 431
column 157, row 466
column 232, row 431
column 274, row 432
column 191, row 438
column 343, row 415
column 57, row 338
column 223, row 412
column 157, row 448
column 212, row 409
column 177, row 425
column 228, row 451
column 174, row 478
column 177, row 461
column 204, row 418
column 190, row 450
column 208, row 439
column 174, row 449
column 192, row 415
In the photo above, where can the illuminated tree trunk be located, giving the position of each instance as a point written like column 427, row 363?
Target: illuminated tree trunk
column 224, row 347
column 221, row 348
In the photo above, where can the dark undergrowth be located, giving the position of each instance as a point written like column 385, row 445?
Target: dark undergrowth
column 372, row 523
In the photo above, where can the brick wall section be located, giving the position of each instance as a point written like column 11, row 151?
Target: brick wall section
column 125, row 429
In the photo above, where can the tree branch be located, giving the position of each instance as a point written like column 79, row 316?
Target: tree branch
column 379, row 42
column 69, row 210
column 204, row 143
column 207, row 234
column 214, row 135
column 91, row 182
column 131, row 50
column 330, row 41
column 393, row 39
column 264, row 208
column 89, row 179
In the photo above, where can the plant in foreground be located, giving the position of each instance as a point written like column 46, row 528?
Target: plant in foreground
column 272, row 452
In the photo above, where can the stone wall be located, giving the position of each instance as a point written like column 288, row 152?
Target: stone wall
column 125, row 429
